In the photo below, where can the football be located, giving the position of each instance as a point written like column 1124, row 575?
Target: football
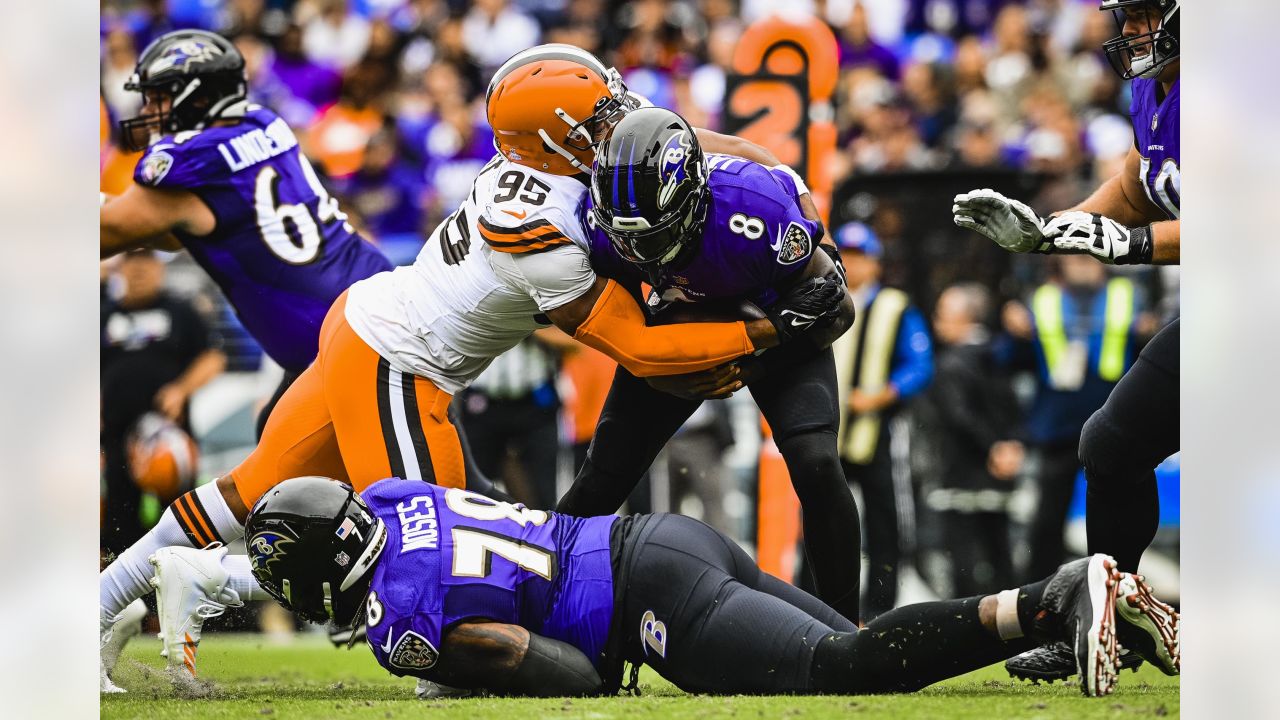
column 706, row 312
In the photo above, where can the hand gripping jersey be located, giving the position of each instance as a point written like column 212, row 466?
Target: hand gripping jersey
column 1155, row 135
column 513, row 251
column 282, row 251
column 453, row 556
column 755, row 237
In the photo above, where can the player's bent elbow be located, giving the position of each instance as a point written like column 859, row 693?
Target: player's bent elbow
column 552, row 668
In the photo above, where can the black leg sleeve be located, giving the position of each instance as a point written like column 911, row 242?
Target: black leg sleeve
column 636, row 422
column 797, row 396
column 910, row 648
column 1121, row 446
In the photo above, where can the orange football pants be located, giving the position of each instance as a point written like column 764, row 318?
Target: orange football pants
column 353, row 417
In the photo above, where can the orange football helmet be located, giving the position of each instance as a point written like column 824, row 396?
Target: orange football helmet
column 550, row 106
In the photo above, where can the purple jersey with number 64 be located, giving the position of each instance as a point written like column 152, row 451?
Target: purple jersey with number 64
column 281, row 250
column 1155, row 135
column 452, row 556
column 755, row 236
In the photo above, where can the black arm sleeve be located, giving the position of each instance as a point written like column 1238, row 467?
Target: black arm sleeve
column 552, row 668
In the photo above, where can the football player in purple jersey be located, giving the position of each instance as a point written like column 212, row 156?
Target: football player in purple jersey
column 475, row 594
column 225, row 180
column 720, row 230
column 1133, row 218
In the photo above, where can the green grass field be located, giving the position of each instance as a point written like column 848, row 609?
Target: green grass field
column 251, row 677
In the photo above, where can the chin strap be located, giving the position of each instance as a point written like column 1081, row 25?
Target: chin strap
column 561, row 151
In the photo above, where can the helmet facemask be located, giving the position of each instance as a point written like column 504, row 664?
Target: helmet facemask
column 193, row 81
column 585, row 135
column 668, row 241
column 1147, row 54
column 320, row 568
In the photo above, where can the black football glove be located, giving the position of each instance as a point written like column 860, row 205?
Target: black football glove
column 834, row 254
column 812, row 303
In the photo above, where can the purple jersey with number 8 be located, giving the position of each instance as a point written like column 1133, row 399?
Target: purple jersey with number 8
column 453, row 555
column 755, row 236
column 281, row 251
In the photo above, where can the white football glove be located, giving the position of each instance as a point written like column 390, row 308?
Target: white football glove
column 1011, row 224
column 1080, row 233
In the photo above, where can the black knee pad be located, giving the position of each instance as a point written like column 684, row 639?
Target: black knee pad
column 1105, row 449
column 816, row 452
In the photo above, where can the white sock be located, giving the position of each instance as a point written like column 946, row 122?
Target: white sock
column 185, row 523
column 241, row 578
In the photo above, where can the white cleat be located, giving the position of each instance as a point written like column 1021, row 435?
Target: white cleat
column 107, row 686
column 1149, row 627
column 113, row 639
column 191, row 587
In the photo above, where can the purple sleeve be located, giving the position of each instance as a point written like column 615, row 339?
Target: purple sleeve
column 404, row 643
column 791, row 234
column 180, row 165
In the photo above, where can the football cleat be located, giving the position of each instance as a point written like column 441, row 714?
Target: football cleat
column 428, row 690
column 1080, row 601
column 1056, row 661
column 113, row 639
column 191, row 587
column 1149, row 627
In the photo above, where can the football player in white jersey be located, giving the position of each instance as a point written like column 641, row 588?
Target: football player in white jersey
column 397, row 346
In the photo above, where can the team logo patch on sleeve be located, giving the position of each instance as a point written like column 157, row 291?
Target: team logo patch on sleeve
column 155, row 166
column 413, row 652
column 794, row 245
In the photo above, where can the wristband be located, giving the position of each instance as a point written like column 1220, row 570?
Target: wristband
column 1141, row 247
column 801, row 188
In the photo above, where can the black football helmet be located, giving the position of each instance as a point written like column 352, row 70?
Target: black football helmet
column 649, row 188
column 1146, row 54
column 312, row 544
column 200, row 72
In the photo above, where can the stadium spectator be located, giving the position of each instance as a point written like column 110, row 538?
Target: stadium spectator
column 978, row 430
column 1079, row 336
column 884, row 360
column 156, row 350
column 858, row 49
column 335, row 36
column 493, row 31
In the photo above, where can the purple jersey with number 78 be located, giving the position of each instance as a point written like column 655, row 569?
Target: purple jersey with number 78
column 453, row 556
column 755, row 237
column 281, row 251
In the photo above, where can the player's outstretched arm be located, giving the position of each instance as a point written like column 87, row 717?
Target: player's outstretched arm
column 510, row 660
column 146, row 217
column 609, row 320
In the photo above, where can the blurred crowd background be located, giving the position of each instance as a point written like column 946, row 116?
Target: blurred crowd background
column 935, row 97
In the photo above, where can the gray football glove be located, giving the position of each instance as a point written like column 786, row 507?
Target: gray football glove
column 1080, row 233
column 1011, row 224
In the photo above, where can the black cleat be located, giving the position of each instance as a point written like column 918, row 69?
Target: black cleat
column 1056, row 662
column 1079, row 607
